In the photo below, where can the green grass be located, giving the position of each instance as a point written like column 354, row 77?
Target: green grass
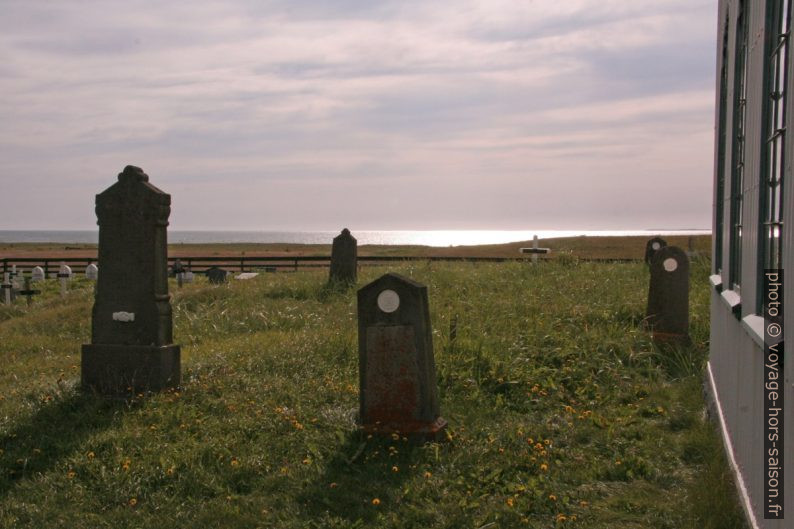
column 561, row 412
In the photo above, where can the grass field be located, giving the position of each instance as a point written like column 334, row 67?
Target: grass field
column 561, row 411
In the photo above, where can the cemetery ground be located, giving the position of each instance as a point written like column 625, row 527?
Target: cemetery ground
column 561, row 411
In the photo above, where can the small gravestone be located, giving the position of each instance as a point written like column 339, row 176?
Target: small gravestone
column 131, row 347
column 179, row 272
column 652, row 246
column 64, row 275
column 188, row 276
column 216, row 275
column 91, row 272
column 397, row 373
column 344, row 258
column 246, row 275
column 37, row 274
column 7, row 289
column 668, row 296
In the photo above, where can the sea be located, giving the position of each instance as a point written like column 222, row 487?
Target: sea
column 438, row 238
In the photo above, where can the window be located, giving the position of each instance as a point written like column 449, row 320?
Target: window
column 719, row 198
column 778, row 22
column 737, row 166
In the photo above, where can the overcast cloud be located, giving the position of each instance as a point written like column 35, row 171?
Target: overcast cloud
column 266, row 115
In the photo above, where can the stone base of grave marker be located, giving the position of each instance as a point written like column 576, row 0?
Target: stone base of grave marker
column 113, row 369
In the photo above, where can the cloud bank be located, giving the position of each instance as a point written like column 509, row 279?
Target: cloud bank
column 374, row 115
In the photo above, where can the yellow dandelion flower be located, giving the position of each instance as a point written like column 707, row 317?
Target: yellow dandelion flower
column 90, row 455
column 37, row 451
column 573, row 517
column 543, row 453
column 306, row 461
column 561, row 518
column 569, row 409
column 133, row 502
column 530, row 441
column 284, row 470
column 547, row 442
column 501, row 450
column 235, row 462
column 428, row 474
column 552, row 497
column 71, row 474
column 509, row 502
column 170, row 471
column 333, row 485
column 395, row 468
column 544, row 467
column 538, row 447
column 618, row 462
column 395, row 437
column 375, row 501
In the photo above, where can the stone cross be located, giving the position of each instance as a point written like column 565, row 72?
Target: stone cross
column 131, row 347
column 653, row 246
column 29, row 292
column 668, row 295
column 344, row 258
column 397, row 374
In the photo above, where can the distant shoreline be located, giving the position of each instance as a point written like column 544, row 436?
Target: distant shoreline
column 604, row 247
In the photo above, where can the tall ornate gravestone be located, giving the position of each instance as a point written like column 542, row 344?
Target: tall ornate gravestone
column 397, row 374
column 668, row 295
column 344, row 258
column 131, row 349
column 652, row 246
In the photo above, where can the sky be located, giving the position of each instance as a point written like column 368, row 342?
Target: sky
column 375, row 115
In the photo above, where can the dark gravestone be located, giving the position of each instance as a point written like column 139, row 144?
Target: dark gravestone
column 131, row 347
column 397, row 374
column 344, row 258
column 216, row 275
column 653, row 246
column 668, row 295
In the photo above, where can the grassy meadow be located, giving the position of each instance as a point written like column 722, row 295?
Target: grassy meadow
column 561, row 412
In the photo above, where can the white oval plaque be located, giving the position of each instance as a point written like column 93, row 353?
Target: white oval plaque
column 655, row 246
column 388, row 301
column 670, row 264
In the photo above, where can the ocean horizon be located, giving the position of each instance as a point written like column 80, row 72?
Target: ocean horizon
column 437, row 238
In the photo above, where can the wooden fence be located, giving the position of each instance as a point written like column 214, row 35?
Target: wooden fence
column 200, row 264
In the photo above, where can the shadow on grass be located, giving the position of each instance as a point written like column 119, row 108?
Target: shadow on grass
column 55, row 431
column 363, row 477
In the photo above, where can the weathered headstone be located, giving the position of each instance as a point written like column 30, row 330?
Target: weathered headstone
column 179, row 272
column 188, row 276
column 652, row 246
column 92, row 272
column 37, row 274
column 131, row 347
column 216, row 275
column 246, row 275
column 668, row 295
column 7, row 288
column 64, row 275
column 344, row 258
column 397, row 374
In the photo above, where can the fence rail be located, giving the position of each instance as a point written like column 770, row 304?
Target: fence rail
column 249, row 264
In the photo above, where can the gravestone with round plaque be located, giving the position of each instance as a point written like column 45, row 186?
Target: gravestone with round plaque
column 397, row 376
column 668, row 295
column 131, row 347
column 652, row 246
